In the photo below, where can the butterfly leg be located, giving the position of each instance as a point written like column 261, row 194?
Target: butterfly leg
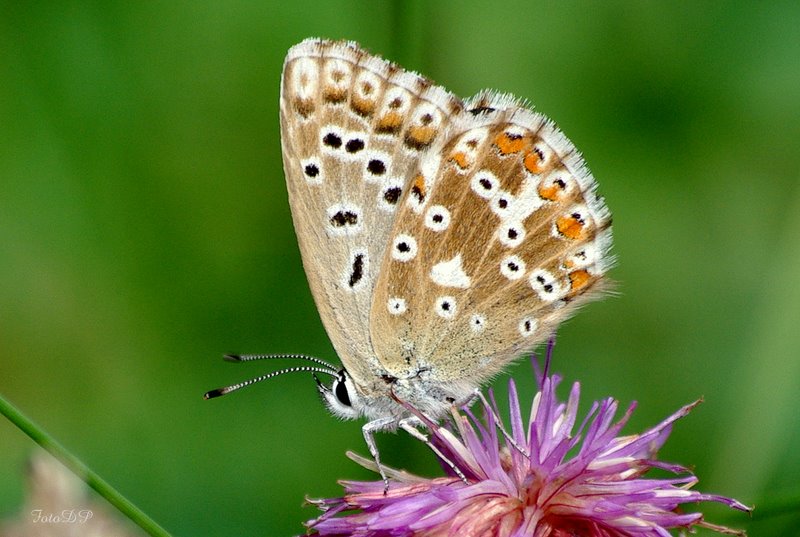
column 410, row 426
column 369, row 429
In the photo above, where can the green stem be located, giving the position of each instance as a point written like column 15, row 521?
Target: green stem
column 81, row 470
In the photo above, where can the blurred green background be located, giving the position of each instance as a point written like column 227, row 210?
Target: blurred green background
column 145, row 231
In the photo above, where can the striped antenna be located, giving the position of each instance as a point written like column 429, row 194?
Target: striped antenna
column 322, row 367
column 253, row 357
column 301, row 369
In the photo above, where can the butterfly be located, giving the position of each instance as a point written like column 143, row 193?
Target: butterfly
column 441, row 237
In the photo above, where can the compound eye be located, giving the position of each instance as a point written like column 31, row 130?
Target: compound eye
column 341, row 392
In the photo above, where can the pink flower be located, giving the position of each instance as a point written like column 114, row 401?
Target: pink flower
column 553, row 480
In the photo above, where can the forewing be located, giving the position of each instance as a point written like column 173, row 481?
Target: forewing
column 499, row 240
column 353, row 127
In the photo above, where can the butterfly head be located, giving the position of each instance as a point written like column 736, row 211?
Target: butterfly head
column 341, row 397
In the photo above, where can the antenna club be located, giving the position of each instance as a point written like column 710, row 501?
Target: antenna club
column 232, row 357
column 214, row 393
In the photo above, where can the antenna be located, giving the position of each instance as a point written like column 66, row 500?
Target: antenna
column 326, row 368
column 253, row 357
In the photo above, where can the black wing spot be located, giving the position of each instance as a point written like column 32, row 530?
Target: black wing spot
column 312, row 170
column 418, row 193
column 376, row 167
column 481, row 110
column 354, row 146
column 358, row 270
column 344, row 218
column 332, row 140
column 392, row 195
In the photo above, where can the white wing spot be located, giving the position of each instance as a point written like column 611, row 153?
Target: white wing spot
column 437, row 218
column 467, row 148
column 311, row 169
column 337, row 74
column 526, row 201
column 557, row 185
column 404, row 248
column 368, row 84
column 331, row 139
column 477, row 323
column 512, row 267
column 305, row 77
column 546, row 285
column 376, row 166
column 389, row 195
column 446, row 307
column 511, row 234
column 585, row 256
column 502, row 204
column 396, row 104
column 344, row 219
column 485, row 184
column 396, row 306
column 450, row 274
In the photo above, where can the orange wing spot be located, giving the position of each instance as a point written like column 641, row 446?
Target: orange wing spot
column 508, row 143
column 389, row 123
column 460, row 158
column 534, row 161
column 419, row 189
column 420, row 137
column 334, row 95
column 579, row 279
column 568, row 264
column 304, row 107
column 549, row 193
column 363, row 107
column 569, row 226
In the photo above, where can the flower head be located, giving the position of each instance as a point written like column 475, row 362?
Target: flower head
column 548, row 479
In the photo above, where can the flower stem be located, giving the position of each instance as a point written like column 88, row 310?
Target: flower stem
column 102, row 487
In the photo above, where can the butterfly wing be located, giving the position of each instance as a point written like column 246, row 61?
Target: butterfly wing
column 353, row 127
column 502, row 238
